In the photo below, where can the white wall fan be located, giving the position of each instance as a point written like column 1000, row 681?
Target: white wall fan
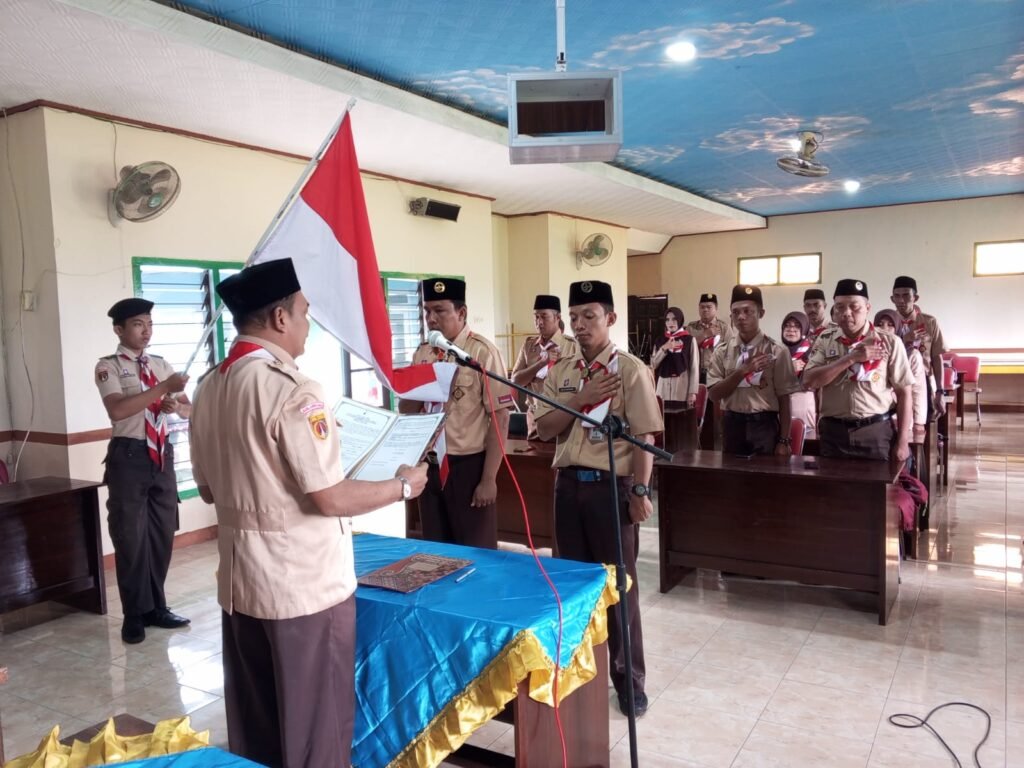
column 594, row 251
column 144, row 192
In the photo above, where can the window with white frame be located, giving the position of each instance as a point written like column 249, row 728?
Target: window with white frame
column 791, row 269
column 999, row 259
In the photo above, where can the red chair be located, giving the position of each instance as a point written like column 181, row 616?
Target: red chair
column 701, row 404
column 969, row 371
column 797, row 429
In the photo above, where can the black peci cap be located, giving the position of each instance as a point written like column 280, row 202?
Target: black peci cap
column 708, row 298
column 747, row 293
column 590, row 292
column 905, row 282
column 444, row 288
column 850, row 287
column 547, row 302
column 259, row 285
column 814, row 294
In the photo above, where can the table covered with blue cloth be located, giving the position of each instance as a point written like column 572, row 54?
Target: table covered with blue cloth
column 209, row 757
column 434, row 665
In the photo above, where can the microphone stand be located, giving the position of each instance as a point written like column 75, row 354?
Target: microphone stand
column 612, row 428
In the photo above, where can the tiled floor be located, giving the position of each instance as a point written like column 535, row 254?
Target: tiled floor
column 740, row 673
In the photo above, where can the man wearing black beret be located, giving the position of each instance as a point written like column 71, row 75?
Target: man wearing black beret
column 140, row 392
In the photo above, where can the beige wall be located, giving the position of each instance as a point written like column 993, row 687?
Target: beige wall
column 933, row 242
column 644, row 275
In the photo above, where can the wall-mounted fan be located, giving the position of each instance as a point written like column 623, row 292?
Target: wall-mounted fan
column 594, row 251
column 144, row 192
column 803, row 163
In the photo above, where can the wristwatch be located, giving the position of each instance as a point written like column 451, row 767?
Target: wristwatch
column 406, row 488
column 784, row 440
column 641, row 490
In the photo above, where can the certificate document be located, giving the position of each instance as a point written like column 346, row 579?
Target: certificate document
column 376, row 442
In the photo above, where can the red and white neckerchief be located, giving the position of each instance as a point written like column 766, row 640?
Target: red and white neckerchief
column 156, row 419
column 751, row 379
column 242, row 349
column 861, row 371
column 679, row 335
column 816, row 332
column 598, row 411
column 433, row 406
column 800, row 351
column 911, row 326
column 545, row 351
column 711, row 341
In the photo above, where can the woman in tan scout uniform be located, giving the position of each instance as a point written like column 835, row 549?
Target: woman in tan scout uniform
column 266, row 453
column 462, row 510
column 795, row 335
column 889, row 320
column 540, row 353
column 708, row 331
column 599, row 378
column 864, row 378
column 752, row 377
column 675, row 362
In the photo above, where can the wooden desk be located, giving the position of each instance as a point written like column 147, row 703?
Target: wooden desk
column 710, row 428
column 3, row 679
column 531, row 461
column 50, row 544
column 813, row 520
column 681, row 429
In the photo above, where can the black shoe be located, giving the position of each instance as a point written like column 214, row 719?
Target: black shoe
column 133, row 630
column 163, row 618
column 639, row 704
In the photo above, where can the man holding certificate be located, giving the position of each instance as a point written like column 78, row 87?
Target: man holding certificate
column 266, row 453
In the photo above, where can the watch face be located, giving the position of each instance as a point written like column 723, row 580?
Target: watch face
column 640, row 490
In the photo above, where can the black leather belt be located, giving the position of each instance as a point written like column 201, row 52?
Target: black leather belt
column 858, row 423
column 588, row 475
column 759, row 416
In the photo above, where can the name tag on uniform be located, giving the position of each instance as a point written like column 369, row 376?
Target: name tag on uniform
column 125, row 373
column 567, row 389
column 832, row 352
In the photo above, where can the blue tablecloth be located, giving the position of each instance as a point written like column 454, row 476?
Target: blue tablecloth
column 434, row 664
column 210, row 757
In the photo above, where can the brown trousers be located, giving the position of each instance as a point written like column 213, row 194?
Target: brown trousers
column 289, row 687
column 873, row 441
column 583, row 530
column 446, row 513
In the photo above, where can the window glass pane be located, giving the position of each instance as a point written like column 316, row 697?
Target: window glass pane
column 763, row 271
column 999, row 258
column 366, row 388
column 406, row 315
column 800, row 269
column 322, row 361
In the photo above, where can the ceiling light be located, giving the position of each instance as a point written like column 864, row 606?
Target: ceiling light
column 794, row 144
column 682, row 51
column 851, row 185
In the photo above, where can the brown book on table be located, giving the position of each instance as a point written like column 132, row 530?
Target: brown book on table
column 412, row 572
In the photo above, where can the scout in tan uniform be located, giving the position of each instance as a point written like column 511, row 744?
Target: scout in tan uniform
column 462, row 510
column 138, row 391
column 814, row 308
column 862, row 374
column 796, row 337
column 540, row 353
column 889, row 320
column 709, row 332
column 922, row 332
column 752, row 376
column 266, row 453
column 597, row 373
column 676, row 361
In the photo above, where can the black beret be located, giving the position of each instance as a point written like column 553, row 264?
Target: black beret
column 590, row 292
column 708, row 298
column 547, row 302
column 442, row 288
column 126, row 308
column 849, row 287
column 814, row 294
column 259, row 285
column 747, row 293
column 905, row 282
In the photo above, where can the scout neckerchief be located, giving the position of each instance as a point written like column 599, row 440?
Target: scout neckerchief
column 156, row 419
column 242, row 349
column 911, row 325
column 441, row 443
column 545, row 351
column 799, row 352
column 598, row 411
column 752, row 379
column 711, row 341
column 679, row 335
column 816, row 332
column 861, row 371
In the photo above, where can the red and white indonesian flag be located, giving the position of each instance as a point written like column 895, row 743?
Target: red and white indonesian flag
column 326, row 233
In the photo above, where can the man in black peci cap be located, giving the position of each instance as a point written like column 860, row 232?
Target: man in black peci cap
column 140, row 391
column 814, row 308
column 460, row 508
column 708, row 331
column 865, row 378
column 540, row 353
column 921, row 332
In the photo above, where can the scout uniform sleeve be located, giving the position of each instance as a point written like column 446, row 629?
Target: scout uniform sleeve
column 309, row 440
column 816, row 356
column 786, row 382
column 500, row 393
column 898, row 369
column 938, row 343
column 521, row 360
column 106, row 377
column 716, row 368
column 540, row 408
column 640, row 401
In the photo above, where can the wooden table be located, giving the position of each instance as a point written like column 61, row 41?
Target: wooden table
column 814, row 520
column 531, row 461
column 709, row 429
column 50, row 545
column 681, row 429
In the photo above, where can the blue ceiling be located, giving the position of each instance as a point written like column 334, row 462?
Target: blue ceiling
column 917, row 99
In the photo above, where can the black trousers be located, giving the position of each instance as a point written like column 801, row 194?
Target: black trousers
column 744, row 433
column 873, row 441
column 583, row 530
column 446, row 513
column 142, row 516
column 289, row 687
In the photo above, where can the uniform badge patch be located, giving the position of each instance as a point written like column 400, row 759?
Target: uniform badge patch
column 504, row 399
column 439, row 287
column 103, row 375
column 125, row 373
column 318, row 423
column 458, row 393
column 876, row 377
column 308, row 409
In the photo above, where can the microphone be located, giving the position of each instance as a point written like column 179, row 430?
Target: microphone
column 437, row 339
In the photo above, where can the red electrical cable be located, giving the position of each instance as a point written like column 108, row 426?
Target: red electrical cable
column 540, row 566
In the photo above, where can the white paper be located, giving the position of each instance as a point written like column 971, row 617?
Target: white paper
column 362, row 427
column 409, row 437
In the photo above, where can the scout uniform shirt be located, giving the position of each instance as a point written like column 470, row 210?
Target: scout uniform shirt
column 262, row 439
column 532, row 352
column 634, row 402
column 862, row 390
column 760, row 392
column 468, row 407
column 932, row 335
column 119, row 374
column 722, row 330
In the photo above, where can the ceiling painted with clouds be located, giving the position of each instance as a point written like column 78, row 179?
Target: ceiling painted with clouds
column 917, row 99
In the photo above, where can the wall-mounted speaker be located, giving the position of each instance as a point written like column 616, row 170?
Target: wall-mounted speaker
column 435, row 209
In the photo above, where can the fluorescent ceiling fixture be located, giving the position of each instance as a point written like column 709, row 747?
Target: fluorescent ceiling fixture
column 682, row 51
column 851, row 185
